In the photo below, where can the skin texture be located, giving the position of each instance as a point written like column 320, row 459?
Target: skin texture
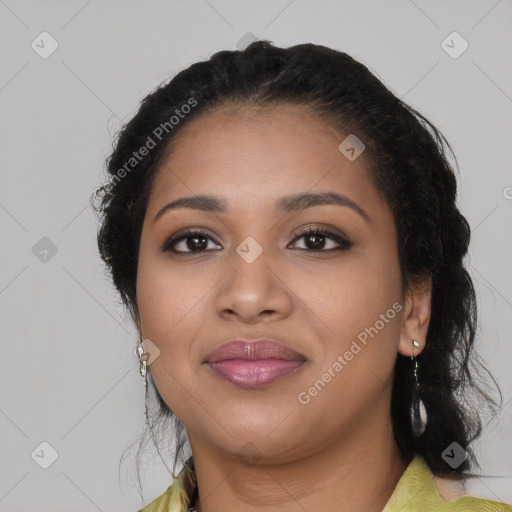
column 336, row 452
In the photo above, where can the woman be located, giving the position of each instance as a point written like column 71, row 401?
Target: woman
column 283, row 230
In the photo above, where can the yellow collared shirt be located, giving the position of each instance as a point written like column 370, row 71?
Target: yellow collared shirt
column 416, row 491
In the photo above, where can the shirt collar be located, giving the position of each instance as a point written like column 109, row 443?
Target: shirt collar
column 416, row 491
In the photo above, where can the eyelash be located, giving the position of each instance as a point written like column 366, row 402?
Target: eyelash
column 345, row 243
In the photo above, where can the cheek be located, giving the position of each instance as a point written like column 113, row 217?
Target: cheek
column 165, row 296
column 360, row 311
column 351, row 296
column 169, row 307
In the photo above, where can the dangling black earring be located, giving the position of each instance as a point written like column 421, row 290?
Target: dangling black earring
column 418, row 411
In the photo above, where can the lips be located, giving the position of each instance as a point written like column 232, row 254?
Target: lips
column 253, row 364
column 252, row 350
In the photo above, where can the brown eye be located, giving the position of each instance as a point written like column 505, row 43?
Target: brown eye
column 315, row 240
column 190, row 242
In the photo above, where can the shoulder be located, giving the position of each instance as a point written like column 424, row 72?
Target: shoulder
column 469, row 504
column 179, row 495
column 174, row 499
column 417, row 490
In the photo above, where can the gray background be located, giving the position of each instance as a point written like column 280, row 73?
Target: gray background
column 68, row 374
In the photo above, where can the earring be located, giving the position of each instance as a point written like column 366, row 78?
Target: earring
column 143, row 358
column 418, row 411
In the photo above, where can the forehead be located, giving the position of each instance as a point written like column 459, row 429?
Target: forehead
column 253, row 156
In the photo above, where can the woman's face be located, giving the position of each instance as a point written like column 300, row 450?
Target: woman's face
column 255, row 276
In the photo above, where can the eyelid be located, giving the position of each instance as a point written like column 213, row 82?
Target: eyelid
column 321, row 227
column 328, row 232
column 184, row 234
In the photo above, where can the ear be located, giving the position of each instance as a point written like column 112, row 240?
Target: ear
column 416, row 319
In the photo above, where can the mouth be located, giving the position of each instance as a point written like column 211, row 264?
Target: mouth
column 252, row 364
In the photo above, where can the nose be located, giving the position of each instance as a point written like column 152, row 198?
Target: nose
column 253, row 292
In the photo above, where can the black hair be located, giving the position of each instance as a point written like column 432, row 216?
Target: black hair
column 410, row 168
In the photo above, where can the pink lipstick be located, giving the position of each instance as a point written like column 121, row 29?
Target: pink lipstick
column 252, row 364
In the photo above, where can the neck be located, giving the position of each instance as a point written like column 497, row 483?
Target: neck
column 358, row 473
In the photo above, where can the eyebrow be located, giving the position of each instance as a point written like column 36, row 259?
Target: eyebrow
column 285, row 204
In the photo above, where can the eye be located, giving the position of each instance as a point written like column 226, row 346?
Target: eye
column 317, row 239
column 194, row 240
